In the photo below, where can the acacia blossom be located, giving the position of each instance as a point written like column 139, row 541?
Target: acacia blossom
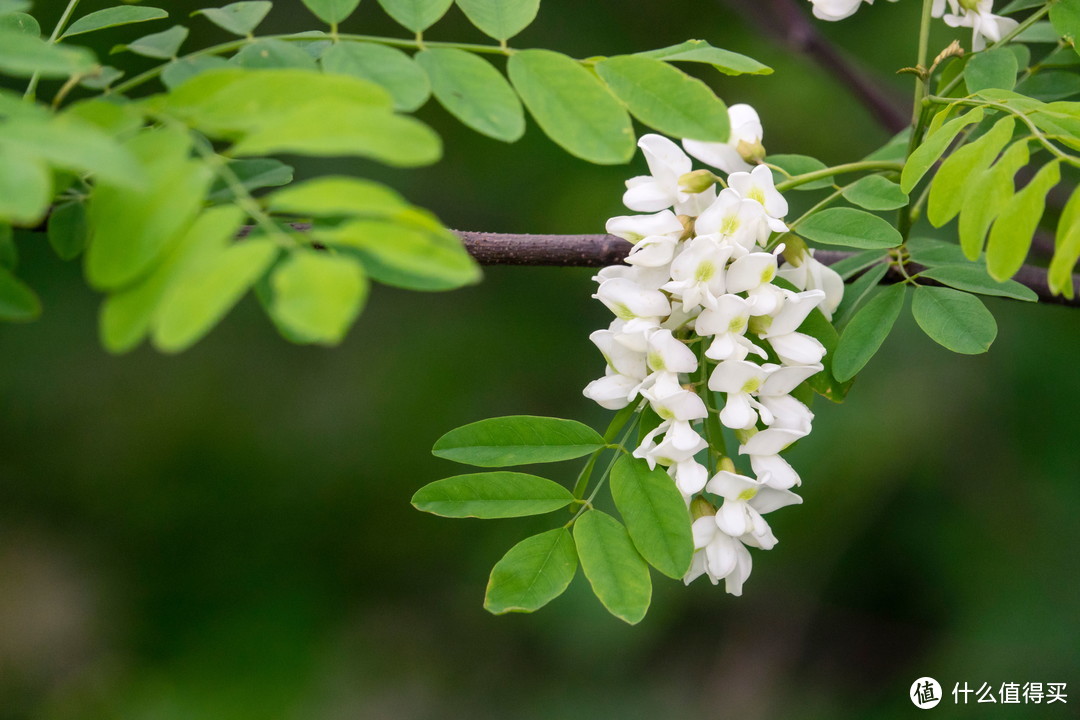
column 700, row 286
column 975, row 14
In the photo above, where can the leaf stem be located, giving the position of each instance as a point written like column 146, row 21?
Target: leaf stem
column 31, row 88
column 614, row 427
column 863, row 165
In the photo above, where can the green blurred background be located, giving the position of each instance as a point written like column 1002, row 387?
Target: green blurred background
column 226, row 534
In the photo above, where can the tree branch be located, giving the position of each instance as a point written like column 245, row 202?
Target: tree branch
column 602, row 250
column 787, row 23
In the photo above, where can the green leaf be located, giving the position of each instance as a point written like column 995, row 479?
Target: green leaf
column 253, row 174
column 407, row 255
column 416, row 15
column 72, row 144
column 931, row 252
column 20, row 23
column 950, row 187
column 618, row 574
column 851, row 228
column 1051, row 85
column 24, row 55
column 318, row 296
column 866, row 332
column 103, row 78
column 198, row 301
column 517, row 440
column 1066, row 248
column 665, row 98
column 533, row 573
column 825, row 383
column 853, row 264
column 1040, row 32
column 953, row 319
column 994, row 68
column 67, row 230
column 26, row 187
column 327, row 126
column 331, row 196
column 18, row 303
column 126, row 315
column 9, row 253
column 572, row 106
column 500, row 19
column 989, row 193
column 491, row 495
column 857, row 292
column 239, row 18
column 177, row 72
column 1065, row 18
column 791, row 165
column 162, row 46
column 385, row 66
column 699, row 51
column 273, row 54
column 332, row 12
column 874, row 192
column 1010, row 237
column 655, row 515
column 974, row 278
column 932, row 148
column 134, row 226
column 14, row 6
column 113, row 17
column 1018, row 5
column 474, row 92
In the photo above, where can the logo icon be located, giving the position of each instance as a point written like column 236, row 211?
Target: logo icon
column 925, row 693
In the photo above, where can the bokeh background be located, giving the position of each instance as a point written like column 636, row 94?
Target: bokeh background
column 227, row 535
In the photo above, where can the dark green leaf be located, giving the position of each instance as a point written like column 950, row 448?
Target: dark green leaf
column 655, row 515
column 179, row 71
column 956, row 320
column 18, row 303
column 239, row 18
column 517, row 440
column 533, row 573
column 848, row 267
column 112, row 17
column 385, row 66
column 24, row 55
column 1051, row 85
column 500, row 19
column 332, row 12
column 995, row 68
column 20, row 23
column 930, row 252
column 273, row 54
column 618, row 574
column 866, row 332
column 874, row 192
column 67, row 229
column 850, row 228
column 474, row 92
column 1065, row 19
column 857, row 292
column 572, row 106
column 665, row 98
column 253, row 174
column 9, row 253
column 103, row 78
column 798, row 165
column 973, row 277
column 699, row 51
column 162, row 46
column 491, row 495
column 416, row 15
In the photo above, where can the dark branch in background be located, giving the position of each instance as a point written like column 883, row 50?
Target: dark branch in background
column 786, row 22
column 602, row 250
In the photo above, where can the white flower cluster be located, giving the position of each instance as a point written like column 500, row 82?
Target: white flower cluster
column 975, row 14
column 699, row 274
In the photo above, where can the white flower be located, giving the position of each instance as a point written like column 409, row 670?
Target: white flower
column 739, row 379
column 743, row 144
column 758, row 185
column 833, row 10
column 697, row 274
column 622, row 359
column 629, row 301
column 613, row 391
column 779, row 409
column 750, row 272
column 764, row 450
column 795, row 348
column 718, row 556
column 677, row 450
column 976, row 15
column 727, row 325
column 654, row 236
column 660, row 190
column 666, row 354
column 746, row 500
column 814, row 275
column 735, row 220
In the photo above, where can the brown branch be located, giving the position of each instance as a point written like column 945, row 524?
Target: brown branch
column 787, row 22
column 602, row 250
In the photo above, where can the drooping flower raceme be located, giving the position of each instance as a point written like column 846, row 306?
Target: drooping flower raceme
column 707, row 339
column 975, row 14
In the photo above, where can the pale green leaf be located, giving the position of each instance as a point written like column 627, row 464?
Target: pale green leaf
column 699, row 51
column 385, row 66
column 950, row 187
column 474, row 92
column 238, row 18
column 866, row 332
column 26, row 187
column 162, row 46
column 618, row 574
column 492, row 495
column 932, row 148
column 989, row 192
column 71, row 144
column 850, row 228
column 113, row 17
column 500, row 19
column 179, row 71
column 953, row 319
column 273, row 54
column 21, row 23
column 416, row 15
column 517, row 440
column 331, row 196
column 655, row 515
column 1066, row 247
column 533, row 573
column 572, row 106
column 874, row 192
column 318, row 295
column 332, row 12
column 24, row 55
column 1010, row 237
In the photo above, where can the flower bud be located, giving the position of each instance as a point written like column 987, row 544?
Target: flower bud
column 727, row 465
column 794, row 250
column 700, row 507
column 751, row 152
column 759, row 324
column 697, row 181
